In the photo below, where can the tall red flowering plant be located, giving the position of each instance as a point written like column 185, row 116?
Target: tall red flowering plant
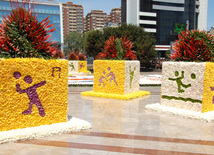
column 81, row 57
column 22, row 35
column 73, row 56
column 193, row 46
column 117, row 49
column 58, row 54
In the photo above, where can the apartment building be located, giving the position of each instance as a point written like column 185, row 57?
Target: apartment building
column 96, row 19
column 84, row 20
column 165, row 18
column 73, row 19
column 115, row 15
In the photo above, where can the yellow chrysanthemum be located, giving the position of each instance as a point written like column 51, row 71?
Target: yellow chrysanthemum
column 13, row 102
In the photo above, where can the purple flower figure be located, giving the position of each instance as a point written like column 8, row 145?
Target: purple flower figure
column 112, row 76
column 31, row 93
column 82, row 65
column 101, row 79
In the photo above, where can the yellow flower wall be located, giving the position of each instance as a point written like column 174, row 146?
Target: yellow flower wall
column 103, row 82
column 48, row 86
column 208, row 93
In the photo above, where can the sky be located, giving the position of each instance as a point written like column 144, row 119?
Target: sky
column 107, row 5
column 210, row 15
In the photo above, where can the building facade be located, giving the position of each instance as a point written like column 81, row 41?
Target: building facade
column 84, row 20
column 165, row 18
column 115, row 15
column 211, row 31
column 73, row 19
column 96, row 19
column 43, row 10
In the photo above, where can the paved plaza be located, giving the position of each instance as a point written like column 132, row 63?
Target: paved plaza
column 121, row 128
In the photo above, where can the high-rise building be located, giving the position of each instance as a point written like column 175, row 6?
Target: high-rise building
column 115, row 15
column 96, row 19
column 43, row 10
column 84, row 20
column 165, row 18
column 73, row 19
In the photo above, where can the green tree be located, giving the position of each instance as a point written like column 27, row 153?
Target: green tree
column 143, row 42
column 145, row 51
column 94, row 43
column 74, row 41
column 168, row 54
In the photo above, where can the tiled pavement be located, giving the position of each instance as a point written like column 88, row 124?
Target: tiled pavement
column 121, row 128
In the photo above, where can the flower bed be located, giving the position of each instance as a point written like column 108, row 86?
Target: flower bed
column 33, row 92
column 116, row 79
column 182, row 85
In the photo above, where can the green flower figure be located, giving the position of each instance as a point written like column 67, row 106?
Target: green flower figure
column 72, row 66
column 131, row 75
column 180, row 83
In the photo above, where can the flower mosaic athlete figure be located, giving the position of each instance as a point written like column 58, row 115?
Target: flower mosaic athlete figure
column 72, row 66
column 131, row 75
column 101, row 79
column 31, row 93
column 82, row 65
column 112, row 76
column 179, row 82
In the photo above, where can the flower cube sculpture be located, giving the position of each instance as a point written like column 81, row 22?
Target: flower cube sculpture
column 75, row 67
column 187, row 85
column 183, row 85
column 117, row 79
column 187, row 89
column 30, row 94
column 33, row 91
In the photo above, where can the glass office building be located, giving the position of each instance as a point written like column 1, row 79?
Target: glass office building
column 44, row 10
column 165, row 18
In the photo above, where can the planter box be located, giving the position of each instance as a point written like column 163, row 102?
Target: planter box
column 77, row 67
column 188, row 85
column 116, row 79
column 33, row 92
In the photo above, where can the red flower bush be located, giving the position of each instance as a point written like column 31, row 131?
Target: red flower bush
column 81, row 57
column 72, row 56
column 22, row 35
column 117, row 49
column 58, row 54
column 193, row 46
